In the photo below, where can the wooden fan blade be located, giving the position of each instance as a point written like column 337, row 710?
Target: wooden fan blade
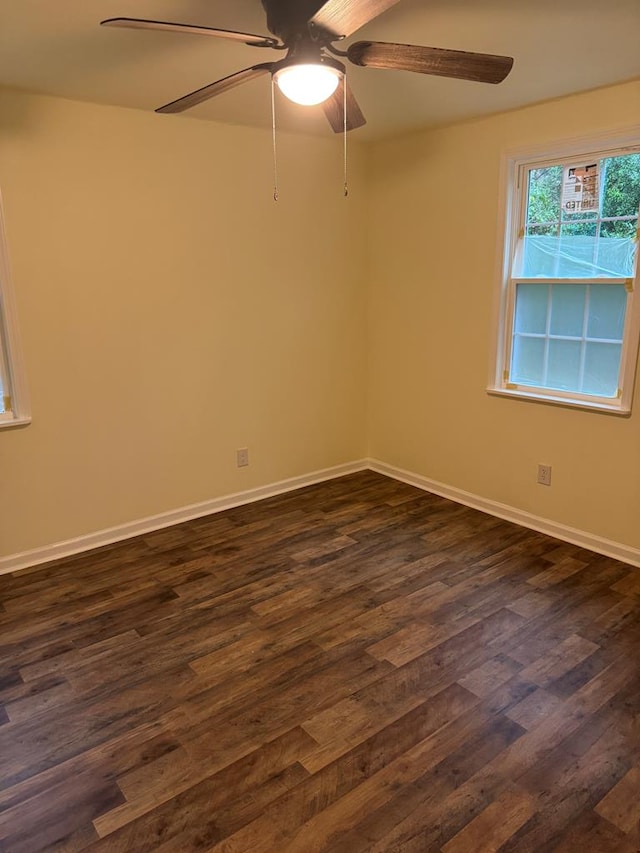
column 481, row 67
column 334, row 110
column 344, row 17
column 216, row 88
column 143, row 24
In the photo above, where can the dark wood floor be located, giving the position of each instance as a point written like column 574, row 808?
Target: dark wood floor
column 355, row 666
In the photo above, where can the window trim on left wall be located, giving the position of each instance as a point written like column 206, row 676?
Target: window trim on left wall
column 18, row 412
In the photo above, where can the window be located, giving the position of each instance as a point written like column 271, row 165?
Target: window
column 13, row 393
column 569, row 308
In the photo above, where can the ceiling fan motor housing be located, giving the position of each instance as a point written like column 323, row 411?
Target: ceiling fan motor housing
column 289, row 19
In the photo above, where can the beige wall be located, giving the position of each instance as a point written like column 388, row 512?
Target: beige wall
column 433, row 222
column 171, row 312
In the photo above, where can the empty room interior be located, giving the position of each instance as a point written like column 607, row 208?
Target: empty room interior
column 319, row 434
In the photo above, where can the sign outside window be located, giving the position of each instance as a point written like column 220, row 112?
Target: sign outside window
column 580, row 188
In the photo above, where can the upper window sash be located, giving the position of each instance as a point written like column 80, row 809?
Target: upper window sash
column 577, row 245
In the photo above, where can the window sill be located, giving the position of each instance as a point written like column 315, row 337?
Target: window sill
column 613, row 408
column 7, row 422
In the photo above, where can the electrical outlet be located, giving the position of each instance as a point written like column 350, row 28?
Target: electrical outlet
column 544, row 475
column 242, row 457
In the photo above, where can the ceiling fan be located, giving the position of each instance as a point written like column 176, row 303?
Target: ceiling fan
column 310, row 73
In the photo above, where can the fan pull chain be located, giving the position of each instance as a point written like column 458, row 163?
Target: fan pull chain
column 344, row 130
column 275, row 150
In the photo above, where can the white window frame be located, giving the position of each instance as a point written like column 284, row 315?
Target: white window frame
column 513, row 195
column 16, row 398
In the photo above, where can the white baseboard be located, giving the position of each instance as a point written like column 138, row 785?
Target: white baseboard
column 625, row 553
column 67, row 548
column 166, row 519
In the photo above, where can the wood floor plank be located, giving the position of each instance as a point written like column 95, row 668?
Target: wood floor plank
column 567, row 785
column 534, row 708
column 415, row 806
column 359, row 721
column 621, row 805
column 486, row 678
column 489, row 830
column 558, row 572
column 343, row 801
column 354, row 666
column 45, row 819
column 166, row 812
column 559, row 660
column 590, row 833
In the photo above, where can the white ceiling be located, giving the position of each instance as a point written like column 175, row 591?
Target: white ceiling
column 559, row 46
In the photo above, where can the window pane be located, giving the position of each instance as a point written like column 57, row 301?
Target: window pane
column 622, row 228
column 621, row 181
column 577, row 256
column 567, row 309
column 545, row 186
column 607, row 307
column 601, row 368
column 531, row 308
column 579, row 228
column 539, row 256
column 564, row 365
column 528, row 361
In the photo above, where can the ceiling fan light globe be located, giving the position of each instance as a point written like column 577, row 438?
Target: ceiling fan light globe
column 307, row 84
